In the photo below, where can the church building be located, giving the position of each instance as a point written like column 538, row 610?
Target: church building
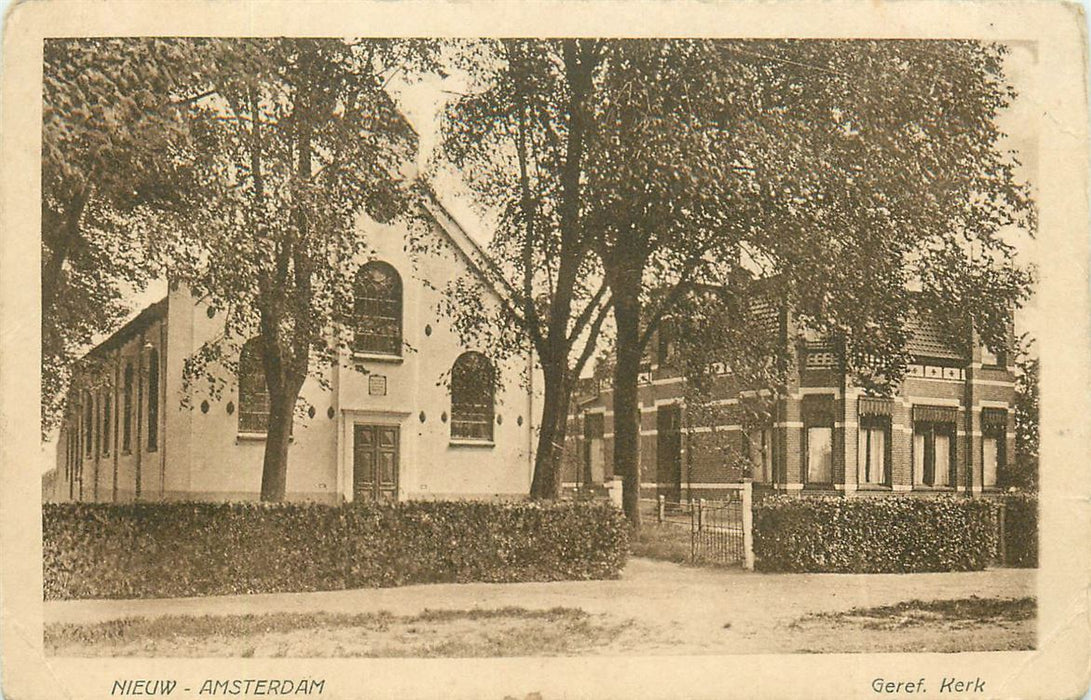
column 409, row 412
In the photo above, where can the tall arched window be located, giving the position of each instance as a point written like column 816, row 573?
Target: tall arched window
column 378, row 310
column 127, row 410
column 472, row 406
column 153, row 400
column 253, row 394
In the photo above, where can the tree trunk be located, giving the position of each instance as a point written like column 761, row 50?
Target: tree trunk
column 286, row 365
column 627, row 401
column 283, row 381
column 551, row 436
column 63, row 242
column 274, row 470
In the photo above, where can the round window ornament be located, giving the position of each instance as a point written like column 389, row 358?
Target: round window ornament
column 311, row 412
column 211, row 312
column 519, row 421
column 230, row 407
column 330, row 413
column 421, row 416
column 204, row 407
column 428, row 329
column 443, row 416
column 499, row 419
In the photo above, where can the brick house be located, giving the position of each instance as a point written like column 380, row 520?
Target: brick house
column 949, row 426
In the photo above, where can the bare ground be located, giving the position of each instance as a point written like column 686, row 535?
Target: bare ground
column 655, row 608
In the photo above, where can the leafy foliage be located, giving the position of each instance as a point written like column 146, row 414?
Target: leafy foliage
column 1021, row 529
column 113, row 168
column 896, row 534
column 188, row 549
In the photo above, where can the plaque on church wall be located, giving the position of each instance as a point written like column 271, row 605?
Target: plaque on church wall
column 376, row 385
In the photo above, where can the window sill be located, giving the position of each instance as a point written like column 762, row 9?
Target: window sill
column 378, row 357
column 466, row 442
column 874, row 487
column 257, row 437
column 934, row 489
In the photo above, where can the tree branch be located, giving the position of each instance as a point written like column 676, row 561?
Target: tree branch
column 589, row 346
column 588, row 310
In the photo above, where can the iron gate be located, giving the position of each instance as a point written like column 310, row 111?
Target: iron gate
column 716, row 530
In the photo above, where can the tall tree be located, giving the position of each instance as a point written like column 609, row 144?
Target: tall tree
column 112, row 123
column 520, row 137
column 297, row 137
column 853, row 171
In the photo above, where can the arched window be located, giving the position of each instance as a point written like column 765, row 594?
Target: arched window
column 127, row 410
column 153, row 400
column 472, row 379
column 107, row 406
column 253, row 394
column 88, row 424
column 378, row 310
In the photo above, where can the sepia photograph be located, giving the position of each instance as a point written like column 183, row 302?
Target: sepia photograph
column 498, row 346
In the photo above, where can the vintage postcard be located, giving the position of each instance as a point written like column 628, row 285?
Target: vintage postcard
column 545, row 350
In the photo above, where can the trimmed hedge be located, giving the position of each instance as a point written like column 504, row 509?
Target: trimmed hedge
column 1021, row 529
column 145, row 550
column 874, row 535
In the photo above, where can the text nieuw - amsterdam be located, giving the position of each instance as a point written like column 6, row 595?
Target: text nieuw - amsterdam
column 228, row 686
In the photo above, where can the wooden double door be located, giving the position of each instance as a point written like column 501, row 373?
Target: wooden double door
column 374, row 462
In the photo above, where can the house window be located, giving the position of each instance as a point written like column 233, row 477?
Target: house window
column 153, row 400
column 873, row 453
column 934, row 446
column 88, row 424
column 127, row 410
column 994, row 425
column 665, row 350
column 472, row 378
column 993, row 359
column 594, row 457
column 253, row 394
column 818, row 435
column 106, row 407
column 378, row 311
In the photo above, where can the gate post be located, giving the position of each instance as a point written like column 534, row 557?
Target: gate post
column 700, row 514
column 660, row 511
column 748, row 524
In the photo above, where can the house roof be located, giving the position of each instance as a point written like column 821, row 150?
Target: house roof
column 135, row 325
column 473, row 254
column 927, row 339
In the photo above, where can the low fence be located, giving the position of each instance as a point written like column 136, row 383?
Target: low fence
column 720, row 530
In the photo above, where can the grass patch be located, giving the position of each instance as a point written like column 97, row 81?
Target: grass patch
column 508, row 631
column 913, row 613
column 945, row 626
column 663, row 542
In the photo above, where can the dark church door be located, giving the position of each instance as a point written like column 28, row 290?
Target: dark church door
column 375, row 462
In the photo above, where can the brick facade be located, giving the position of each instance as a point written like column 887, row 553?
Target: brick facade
column 941, row 399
